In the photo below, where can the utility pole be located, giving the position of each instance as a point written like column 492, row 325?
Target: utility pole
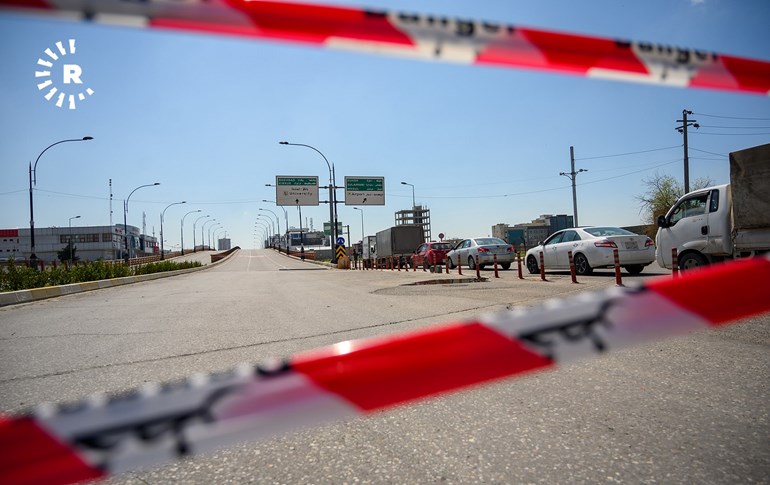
column 683, row 130
column 572, row 175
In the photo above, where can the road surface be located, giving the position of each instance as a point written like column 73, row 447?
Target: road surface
column 688, row 410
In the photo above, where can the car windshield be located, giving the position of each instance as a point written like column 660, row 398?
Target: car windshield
column 441, row 246
column 608, row 231
column 489, row 241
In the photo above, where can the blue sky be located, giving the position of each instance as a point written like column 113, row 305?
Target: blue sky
column 203, row 116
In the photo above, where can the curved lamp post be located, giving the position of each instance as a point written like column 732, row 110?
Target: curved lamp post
column 33, row 181
column 209, row 234
column 362, row 223
column 414, row 204
column 277, row 221
column 72, row 245
column 182, row 230
column 125, row 214
column 203, row 226
column 332, row 196
column 286, row 220
column 194, row 223
column 162, row 252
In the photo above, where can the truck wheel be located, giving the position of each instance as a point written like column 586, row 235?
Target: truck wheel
column 581, row 265
column 532, row 265
column 690, row 261
column 633, row 269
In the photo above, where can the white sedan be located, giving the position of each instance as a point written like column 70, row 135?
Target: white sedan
column 592, row 247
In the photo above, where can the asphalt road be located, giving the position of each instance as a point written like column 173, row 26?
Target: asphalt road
column 687, row 410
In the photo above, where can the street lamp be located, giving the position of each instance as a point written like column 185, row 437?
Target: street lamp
column 72, row 247
column 278, row 221
column 194, row 223
column 182, row 230
column 162, row 253
column 209, row 234
column 33, row 181
column 268, row 219
column 286, row 219
column 266, row 227
column 125, row 214
column 203, row 226
column 414, row 204
column 332, row 196
column 362, row 223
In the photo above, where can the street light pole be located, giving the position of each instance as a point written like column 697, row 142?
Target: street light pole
column 209, row 234
column 572, row 175
column 33, row 181
column 414, row 204
column 162, row 252
column 332, row 195
column 268, row 219
column 72, row 247
column 125, row 215
column 182, row 229
column 363, row 234
column 278, row 221
column 203, row 226
column 286, row 219
column 194, row 223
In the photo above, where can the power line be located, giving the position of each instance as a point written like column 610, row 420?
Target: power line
column 732, row 117
column 629, row 153
column 736, row 127
column 710, row 153
column 727, row 134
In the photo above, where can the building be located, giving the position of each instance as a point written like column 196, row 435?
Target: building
column 224, row 243
column 531, row 233
column 91, row 242
column 417, row 215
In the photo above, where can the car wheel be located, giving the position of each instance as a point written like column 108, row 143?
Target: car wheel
column 690, row 261
column 471, row 262
column 506, row 265
column 449, row 263
column 581, row 265
column 425, row 265
column 633, row 269
column 532, row 265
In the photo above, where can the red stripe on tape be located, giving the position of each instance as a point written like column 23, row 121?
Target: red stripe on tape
column 393, row 370
column 745, row 290
column 30, row 455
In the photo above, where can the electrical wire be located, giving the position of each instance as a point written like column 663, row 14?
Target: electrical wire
column 629, row 153
column 732, row 117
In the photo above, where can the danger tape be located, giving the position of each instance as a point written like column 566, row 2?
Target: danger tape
column 430, row 37
column 103, row 435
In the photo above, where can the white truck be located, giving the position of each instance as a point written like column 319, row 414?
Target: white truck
column 722, row 222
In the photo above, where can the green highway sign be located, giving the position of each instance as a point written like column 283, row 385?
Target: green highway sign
column 296, row 190
column 364, row 190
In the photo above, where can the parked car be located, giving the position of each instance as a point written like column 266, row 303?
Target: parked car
column 431, row 253
column 485, row 248
column 592, row 248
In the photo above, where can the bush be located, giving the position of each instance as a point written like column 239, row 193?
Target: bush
column 17, row 277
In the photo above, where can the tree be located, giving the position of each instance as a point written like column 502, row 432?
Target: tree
column 67, row 253
column 662, row 192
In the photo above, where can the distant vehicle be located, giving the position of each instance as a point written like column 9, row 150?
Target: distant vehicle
column 722, row 222
column 485, row 248
column 396, row 244
column 431, row 253
column 592, row 247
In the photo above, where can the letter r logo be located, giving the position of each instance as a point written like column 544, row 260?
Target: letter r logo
column 71, row 73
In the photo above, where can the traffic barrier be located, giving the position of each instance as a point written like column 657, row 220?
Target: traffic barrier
column 398, row 262
column 674, row 263
column 572, row 272
column 478, row 270
column 446, row 264
column 518, row 261
column 386, row 33
column 494, row 257
column 459, row 265
column 542, row 267
column 159, row 423
column 616, row 257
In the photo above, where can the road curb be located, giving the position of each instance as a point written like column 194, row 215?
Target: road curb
column 36, row 294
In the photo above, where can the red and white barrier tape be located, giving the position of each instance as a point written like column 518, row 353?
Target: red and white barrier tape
column 104, row 435
column 429, row 37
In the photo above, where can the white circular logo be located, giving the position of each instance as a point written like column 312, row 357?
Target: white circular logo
column 71, row 85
